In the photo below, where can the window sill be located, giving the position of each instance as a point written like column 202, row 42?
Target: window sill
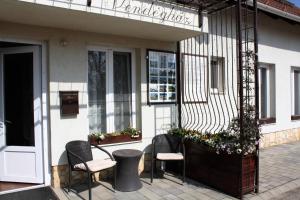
column 116, row 140
column 295, row 117
column 270, row 120
column 217, row 93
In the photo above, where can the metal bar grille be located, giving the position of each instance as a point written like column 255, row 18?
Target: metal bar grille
column 209, row 83
column 223, row 84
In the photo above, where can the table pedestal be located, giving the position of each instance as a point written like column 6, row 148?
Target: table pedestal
column 127, row 169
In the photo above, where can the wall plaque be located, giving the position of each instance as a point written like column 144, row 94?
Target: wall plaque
column 69, row 105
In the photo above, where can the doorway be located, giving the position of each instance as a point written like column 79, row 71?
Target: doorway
column 20, row 115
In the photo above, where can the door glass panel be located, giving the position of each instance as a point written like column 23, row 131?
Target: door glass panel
column 97, row 91
column 18, row 99
column 122, row 90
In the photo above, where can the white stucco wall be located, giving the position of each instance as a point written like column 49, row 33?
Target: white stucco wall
column 279, row 44
column 67, row 70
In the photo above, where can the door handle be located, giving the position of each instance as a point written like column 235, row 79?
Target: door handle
column 2, row 128
column 8, row 122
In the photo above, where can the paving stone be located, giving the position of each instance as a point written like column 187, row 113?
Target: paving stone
column 186, row 196
column 170, row 197
column 279, row 174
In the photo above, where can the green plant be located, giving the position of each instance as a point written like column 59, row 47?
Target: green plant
column 97, row 135
column 228, row 140
column 114, row 134
column 133, row 132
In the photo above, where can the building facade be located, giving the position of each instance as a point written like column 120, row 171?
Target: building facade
column 117, row 58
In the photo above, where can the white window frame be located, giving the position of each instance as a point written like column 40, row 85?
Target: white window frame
column 110, row 87
column 270, row 102
column 293, row 69
column 221, row 63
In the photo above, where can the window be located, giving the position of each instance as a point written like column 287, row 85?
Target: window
column 267, row 93
column 194, row 78
column 110, row 91
column 295, row 93
column 161, row 77
column 217, row 75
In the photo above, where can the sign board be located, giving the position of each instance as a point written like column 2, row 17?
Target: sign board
column 161, row 77
column 153, row 11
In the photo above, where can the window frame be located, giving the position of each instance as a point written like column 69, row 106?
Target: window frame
column 149, row 102
column 271, row 115
column 218, row 90
column 294, row 116
column 110, row 84
column 206, row 76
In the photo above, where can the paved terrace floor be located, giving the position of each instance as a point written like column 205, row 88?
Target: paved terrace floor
column 279, row 179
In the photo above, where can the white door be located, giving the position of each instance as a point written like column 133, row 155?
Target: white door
column 20, row 115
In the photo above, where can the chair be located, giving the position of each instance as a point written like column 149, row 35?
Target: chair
column 80, row 158
column 166, row 147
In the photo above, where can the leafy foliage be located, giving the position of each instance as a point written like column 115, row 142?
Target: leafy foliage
column 133, row 132
column 227, row 141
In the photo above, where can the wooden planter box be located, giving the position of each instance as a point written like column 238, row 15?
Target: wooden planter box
column 221, row 171
column 114, row 139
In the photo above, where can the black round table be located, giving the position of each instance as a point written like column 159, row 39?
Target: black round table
column 127, row 169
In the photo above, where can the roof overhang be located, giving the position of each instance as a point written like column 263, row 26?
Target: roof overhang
column 280, row 13
column 277, row 12
column 90, row 20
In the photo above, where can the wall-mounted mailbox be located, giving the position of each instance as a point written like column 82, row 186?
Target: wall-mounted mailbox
column 69, row 105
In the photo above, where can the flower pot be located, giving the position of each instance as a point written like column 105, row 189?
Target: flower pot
column 221, row 171
column 110, row 139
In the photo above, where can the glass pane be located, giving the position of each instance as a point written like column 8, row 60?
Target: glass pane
column 221, row 67
column 122, row 90
column 214, row 74
column 18, row 94
column 263, row 92
column 97, row 91
column 297, row 92
column 162, row 77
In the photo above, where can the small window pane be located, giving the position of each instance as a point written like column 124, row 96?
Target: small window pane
column 263, row 92
column 217, row 74
column 214, row 75
column 122, row 90
column 97, row 91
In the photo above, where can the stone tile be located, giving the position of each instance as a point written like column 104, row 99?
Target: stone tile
column 186, row 196
column 199, row 195
column 279, row 174
column 170, row 197
column 149, row 194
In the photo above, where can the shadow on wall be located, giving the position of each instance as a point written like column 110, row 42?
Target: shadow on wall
column 165, row 117
column 278, row 33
